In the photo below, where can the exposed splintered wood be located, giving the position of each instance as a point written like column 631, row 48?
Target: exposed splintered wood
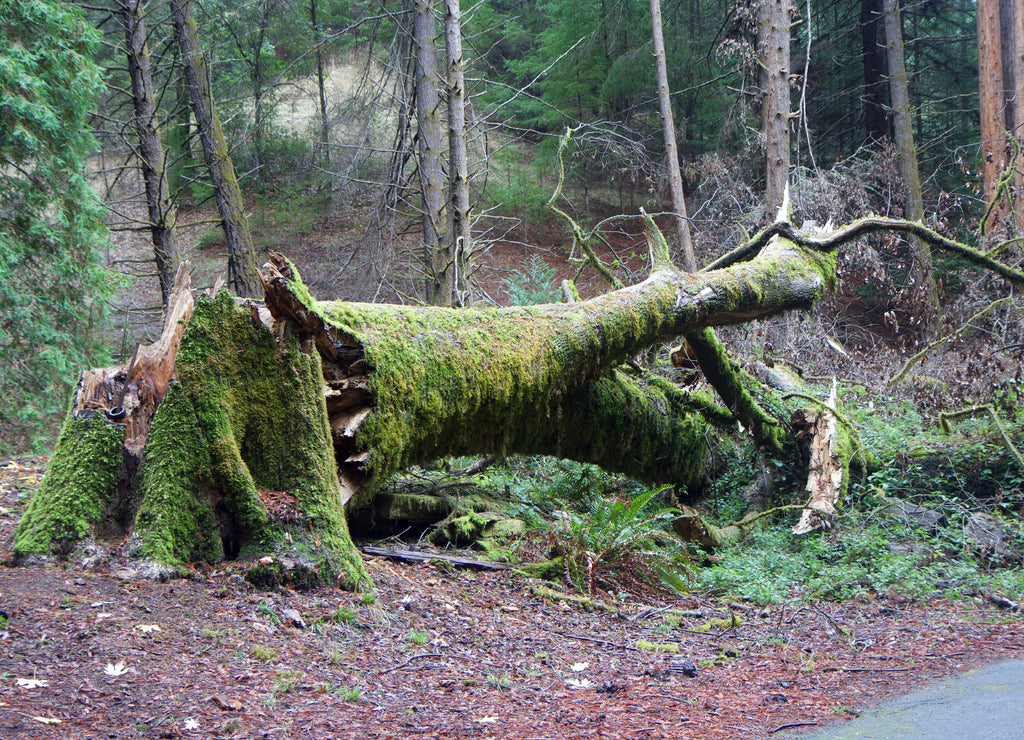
column 825, row 472
column 130, row 394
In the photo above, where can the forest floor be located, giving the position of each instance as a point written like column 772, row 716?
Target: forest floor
column 445, row 653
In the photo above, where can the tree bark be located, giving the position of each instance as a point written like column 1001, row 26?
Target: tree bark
column 325, row 127
column 437, row 255
column 776, row 16
column 243, row 276
column 899, row 94
column 1017, row 57
column 875, row 125
column 459, row 220
column 668, row 128
column 160, row 210
column 992, row 101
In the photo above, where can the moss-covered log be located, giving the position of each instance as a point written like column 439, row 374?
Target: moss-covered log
column 280, row 417
column 409, row 384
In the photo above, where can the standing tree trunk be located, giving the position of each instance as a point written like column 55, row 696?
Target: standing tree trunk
column 243, row 277
column 179, row 145
column 459, row 220
column 160, row 210
column 668, row 127
column 325, row 127
column 903, row 133
column 437, row 256
column 1017, row 92
column 257, row 79
column 991, row 98
column 875, row 125
column 776, row 16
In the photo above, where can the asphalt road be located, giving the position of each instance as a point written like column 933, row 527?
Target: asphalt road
column 985, row 704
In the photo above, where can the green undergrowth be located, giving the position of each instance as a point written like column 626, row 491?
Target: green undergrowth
column 597, row 528
column 865, row 558
column 951, row 478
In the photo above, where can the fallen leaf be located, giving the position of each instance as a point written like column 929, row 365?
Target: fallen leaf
column 226, row 703
column 33, row 683
column 116, row 669
column 47, row 720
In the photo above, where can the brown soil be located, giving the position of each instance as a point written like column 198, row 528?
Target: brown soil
column 444, row 653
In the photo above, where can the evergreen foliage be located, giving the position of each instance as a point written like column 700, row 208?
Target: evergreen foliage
column 52, row 285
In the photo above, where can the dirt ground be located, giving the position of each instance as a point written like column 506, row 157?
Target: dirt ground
column 443, row 653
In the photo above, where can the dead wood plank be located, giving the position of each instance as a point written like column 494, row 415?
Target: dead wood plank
column 420, row 556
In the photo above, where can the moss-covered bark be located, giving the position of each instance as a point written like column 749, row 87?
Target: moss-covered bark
column 245, row 421
column 266, row 434
column 535, row 379
column 79, row 491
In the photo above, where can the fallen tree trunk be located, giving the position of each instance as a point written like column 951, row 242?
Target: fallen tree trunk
column 265, row 435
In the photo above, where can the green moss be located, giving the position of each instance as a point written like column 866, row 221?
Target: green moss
column 78, row 489
column 460, row 531
column 549, row 570
column 671, row 648
column 260, row 407
column 176, row 521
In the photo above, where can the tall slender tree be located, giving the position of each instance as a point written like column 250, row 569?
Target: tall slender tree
column 436, row 257
column 459, row 232
column 876, row 127
column 668, row 127
column 1017, row 59
column 160, row 209
column 325, row 125
column 992, row 98
column 776, row 17
column 243, row 276
column 899, row 94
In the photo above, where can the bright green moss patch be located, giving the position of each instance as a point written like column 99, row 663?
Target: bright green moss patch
column 176, row 520
column 78, row 489
column 259, row 408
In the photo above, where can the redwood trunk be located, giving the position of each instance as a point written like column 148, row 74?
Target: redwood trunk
column 1017, row 57
column 991, row 98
